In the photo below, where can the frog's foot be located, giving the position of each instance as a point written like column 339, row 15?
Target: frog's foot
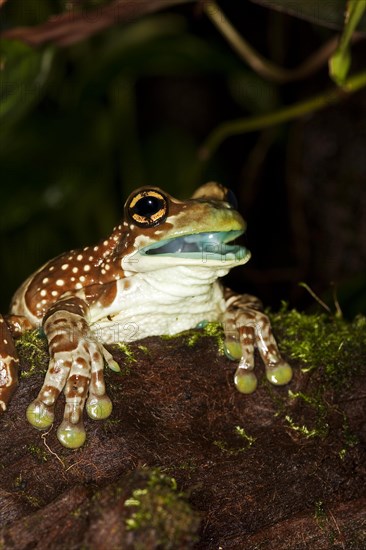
column 76, row 366
column 246, row 328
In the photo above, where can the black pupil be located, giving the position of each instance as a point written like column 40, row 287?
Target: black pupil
column 148, row 206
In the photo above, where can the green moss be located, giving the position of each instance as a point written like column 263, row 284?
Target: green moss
column 20, row 485
column 244, row 435
column 332, row 351
column 160, row 514
column 38, row 452
column 334, row 344
column 304, row 430
column 19, row 482
column 214, row 330
column 33, row 349
column 234, row 451
column 326, row 523
column 349, row 439
column 77, row 513
column 125, row 365
column 320, row 410
column 34, row 501
column 193, row 338
column 188, row 466
column 320, row 514
column 130, row 358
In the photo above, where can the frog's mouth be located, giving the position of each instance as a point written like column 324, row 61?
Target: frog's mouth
column 206, row 247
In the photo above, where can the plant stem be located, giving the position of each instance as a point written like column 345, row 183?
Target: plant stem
column 260, row 64
column 340, row 61
column 355, row 11
column 251, row 124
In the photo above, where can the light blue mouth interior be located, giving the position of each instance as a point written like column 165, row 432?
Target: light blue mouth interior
column 212, row 245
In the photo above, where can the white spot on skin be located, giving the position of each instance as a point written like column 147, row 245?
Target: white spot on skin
column 60, row 282
column 43, row 302
column 70, row 258
column 75, row 269
column 87, row 267
column 52, row 268
column 91, row 258
column 79, row 257
column 43, row 292
column 96, row 248
column 106, row 243
column 45, row 280
column 64, row 266
column 82, row 278
column 103, row 272
column 5, row 341
column 54, row 293
column 78, row 286
column 107, row 267
column 72, row 279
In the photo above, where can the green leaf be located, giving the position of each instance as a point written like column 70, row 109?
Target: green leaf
column 328, row 13
column 339, row 65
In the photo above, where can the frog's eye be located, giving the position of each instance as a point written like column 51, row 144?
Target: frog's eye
column 231, row 199
column 148, row 208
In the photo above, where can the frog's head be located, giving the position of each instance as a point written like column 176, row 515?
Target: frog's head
column 162, row 231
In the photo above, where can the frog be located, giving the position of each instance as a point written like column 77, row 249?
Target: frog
column 158, row 273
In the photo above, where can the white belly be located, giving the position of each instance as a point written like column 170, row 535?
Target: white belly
column 160, row 302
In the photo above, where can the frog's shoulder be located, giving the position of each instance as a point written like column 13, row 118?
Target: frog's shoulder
column 67, row 273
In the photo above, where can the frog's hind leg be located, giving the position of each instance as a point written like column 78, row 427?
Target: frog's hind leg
column 9, row 362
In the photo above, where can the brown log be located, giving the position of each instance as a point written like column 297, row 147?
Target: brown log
column 176, row 408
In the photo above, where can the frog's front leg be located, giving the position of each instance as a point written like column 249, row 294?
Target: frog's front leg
column 247, row 327
column 76, row 365
column 11, row 326
column 9, row 362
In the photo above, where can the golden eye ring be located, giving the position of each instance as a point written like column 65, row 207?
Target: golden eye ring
column 148, row 208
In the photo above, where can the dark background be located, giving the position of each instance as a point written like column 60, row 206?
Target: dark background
column 83, row 125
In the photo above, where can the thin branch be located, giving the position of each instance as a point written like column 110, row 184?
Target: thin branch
column 316, row 297
column 260, row 64
column 251, row 124
column 72, row 27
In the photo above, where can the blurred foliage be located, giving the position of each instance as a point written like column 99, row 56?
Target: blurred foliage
column 327, row 13
column 84, row 125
